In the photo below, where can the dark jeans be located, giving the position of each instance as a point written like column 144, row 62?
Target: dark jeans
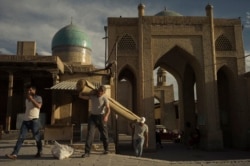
column 34, row 126
column 96, row 121
column 138, row 146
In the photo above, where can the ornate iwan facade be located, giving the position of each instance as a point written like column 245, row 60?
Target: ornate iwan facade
column 201, row 52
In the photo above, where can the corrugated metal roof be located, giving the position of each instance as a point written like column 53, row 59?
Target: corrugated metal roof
column 69, row 85
column 65, row 85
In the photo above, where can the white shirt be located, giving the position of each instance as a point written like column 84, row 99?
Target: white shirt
column 98, row 104
column 31, row 111
column 139, row 130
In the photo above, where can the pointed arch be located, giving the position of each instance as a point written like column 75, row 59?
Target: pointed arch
column 187, row 70
column 127, row 96
column 180, row 57
column 126, row 71
column 126, row 74
column 226, row 97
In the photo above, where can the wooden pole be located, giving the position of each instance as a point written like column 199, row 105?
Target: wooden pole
column 9, row 102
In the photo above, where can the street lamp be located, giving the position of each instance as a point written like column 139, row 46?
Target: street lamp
column 108, row 66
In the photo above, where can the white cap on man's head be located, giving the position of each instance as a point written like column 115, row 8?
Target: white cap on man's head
column 142, row 120
column 102, row 88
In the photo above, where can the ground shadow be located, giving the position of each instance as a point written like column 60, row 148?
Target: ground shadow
column 178, row 152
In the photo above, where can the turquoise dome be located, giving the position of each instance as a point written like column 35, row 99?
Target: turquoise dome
column 70, row 35
column 166, row 12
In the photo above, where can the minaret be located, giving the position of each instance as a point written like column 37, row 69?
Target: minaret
column 141, row 89
column 209, row 13
column 213, row 126
column 161, row 77
column 209, row 10
column 141, row 8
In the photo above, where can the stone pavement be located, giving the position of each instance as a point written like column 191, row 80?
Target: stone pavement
column 171, row 154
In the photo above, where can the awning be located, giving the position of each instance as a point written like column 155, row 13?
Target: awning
column 70, row 85
column 65, row 85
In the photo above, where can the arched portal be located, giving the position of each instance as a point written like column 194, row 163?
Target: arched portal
column 126, row 95
column 183, row 67
column 226, row 85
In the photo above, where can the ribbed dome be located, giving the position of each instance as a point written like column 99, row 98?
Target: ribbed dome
column 70, row 35
column 166, row 12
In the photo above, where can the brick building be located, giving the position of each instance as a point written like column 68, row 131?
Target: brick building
column 202, row 53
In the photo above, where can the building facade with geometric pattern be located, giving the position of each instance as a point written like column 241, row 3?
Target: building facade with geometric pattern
column 206, row 57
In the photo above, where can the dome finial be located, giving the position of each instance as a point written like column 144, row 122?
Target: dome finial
column 141, row 9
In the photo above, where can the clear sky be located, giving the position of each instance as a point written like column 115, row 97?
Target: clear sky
column 39, row 20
